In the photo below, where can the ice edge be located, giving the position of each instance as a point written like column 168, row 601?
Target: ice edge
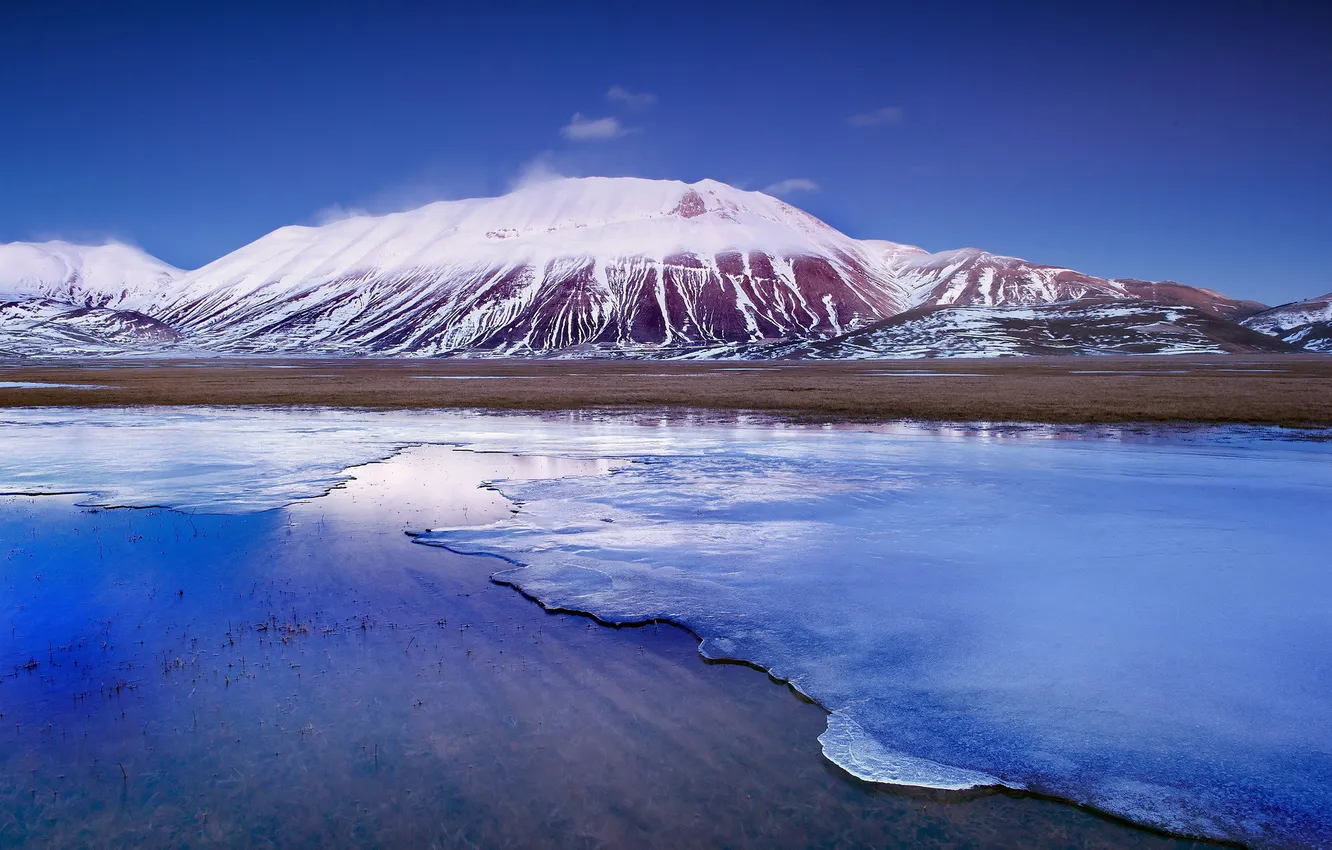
column 848, row 746
column 844, row 742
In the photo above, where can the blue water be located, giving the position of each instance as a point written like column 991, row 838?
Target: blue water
column 1142, row 628
column 1132, row 620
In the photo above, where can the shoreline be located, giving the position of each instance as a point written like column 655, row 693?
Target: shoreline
column 927, row 794
column 645, row 682
column 870, row 793
column 938, row 795
column 923, row 792
column 1289, row 390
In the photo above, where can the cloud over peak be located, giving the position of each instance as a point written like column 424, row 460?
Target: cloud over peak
column 337, row 212
column 793, row 184
column 882, row 115
column 631, row 99
column 540, row 169
column 583, row 129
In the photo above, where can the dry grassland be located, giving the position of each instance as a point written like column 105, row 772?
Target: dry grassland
column 1292, row 390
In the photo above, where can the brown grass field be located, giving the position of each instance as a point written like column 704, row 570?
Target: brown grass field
column 1292, row 390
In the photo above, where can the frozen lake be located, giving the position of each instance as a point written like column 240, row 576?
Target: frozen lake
column 1134, row 620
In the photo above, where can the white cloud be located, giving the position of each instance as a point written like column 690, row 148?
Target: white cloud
column 432, row 183
column 583, row 129
column 631, row 99
column 337, row 212
column 80, row 236
column 539, row 169
column 794, row 184
column 882, row 115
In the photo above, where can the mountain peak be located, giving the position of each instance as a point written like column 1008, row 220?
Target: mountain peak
column 110, row 274
column 597, row 263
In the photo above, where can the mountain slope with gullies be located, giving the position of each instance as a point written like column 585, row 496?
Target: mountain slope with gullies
column 601, row 262
column 970, row 277
column 599, row 266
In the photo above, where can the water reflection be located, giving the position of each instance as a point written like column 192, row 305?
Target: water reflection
column 308, row 676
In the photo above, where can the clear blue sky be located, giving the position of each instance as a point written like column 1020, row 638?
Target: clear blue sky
column 1180, row 140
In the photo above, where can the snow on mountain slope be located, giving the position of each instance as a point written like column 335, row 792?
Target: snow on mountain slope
column 1306, row 324
column 1292, row 315
column 970, row 277
column 580, row 267
column 893, row 254
column 1113, row 325
column 1315, row 336
column 110, row 275
column 37, row 327
column 601, row 261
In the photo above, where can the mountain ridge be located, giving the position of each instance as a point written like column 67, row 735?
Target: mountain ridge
column 592, row 264
column 559, row 264
column 112, row 274
column 1307, row 323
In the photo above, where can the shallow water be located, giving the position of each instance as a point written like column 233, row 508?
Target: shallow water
column 1128, row 620
column 308, row 676
column 1140, row 628
column 40, row 385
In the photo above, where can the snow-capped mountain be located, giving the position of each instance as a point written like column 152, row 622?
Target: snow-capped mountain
column 37, row 327
column 111, row 275
column 575, row 267
column 1307, row 324
column 973, row 278
column 594, row 261
column 607, row 264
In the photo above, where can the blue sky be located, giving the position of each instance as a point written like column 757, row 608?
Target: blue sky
column 1190, row 142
